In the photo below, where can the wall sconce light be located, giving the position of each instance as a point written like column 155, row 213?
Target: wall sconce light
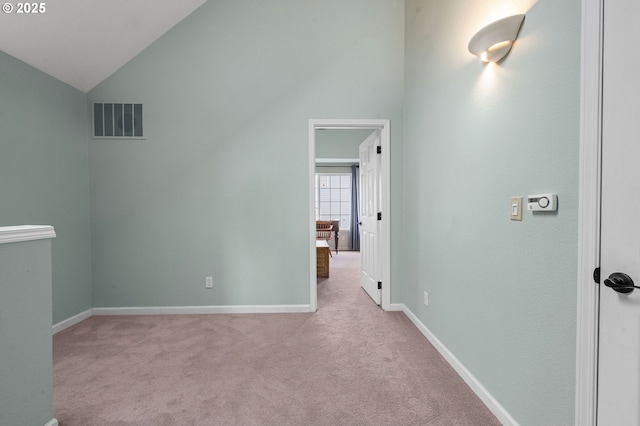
column 493, row 42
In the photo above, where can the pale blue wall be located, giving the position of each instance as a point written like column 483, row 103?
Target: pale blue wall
column 219, row 187
column 26, row 377
column 502, row 294
column 339, row 143
column 44, row 173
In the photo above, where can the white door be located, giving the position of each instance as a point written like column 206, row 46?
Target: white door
column 619, row 338
column 369, row 195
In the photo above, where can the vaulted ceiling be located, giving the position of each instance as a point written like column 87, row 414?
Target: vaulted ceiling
column 82, row 42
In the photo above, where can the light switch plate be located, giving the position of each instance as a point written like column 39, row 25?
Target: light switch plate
column 515, row 208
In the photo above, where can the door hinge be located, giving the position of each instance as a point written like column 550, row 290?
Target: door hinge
column 378, row 149
column 379, row 215
column 596, row 275
column 379, row 285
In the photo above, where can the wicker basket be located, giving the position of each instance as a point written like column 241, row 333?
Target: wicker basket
column 322, row 259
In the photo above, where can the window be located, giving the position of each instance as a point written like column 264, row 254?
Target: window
column 333, row 198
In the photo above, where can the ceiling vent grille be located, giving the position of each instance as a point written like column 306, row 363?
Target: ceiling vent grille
column 117, row 120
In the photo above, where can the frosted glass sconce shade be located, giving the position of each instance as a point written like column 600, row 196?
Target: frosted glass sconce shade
column 493, row 42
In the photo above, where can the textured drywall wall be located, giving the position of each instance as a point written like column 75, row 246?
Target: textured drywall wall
column 220, row 185
column 502, row 294
column 44, row 173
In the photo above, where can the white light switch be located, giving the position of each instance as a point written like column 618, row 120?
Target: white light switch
column 516, row 208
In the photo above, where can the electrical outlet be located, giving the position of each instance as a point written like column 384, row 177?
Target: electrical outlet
column 426, row 299
column 208, row 282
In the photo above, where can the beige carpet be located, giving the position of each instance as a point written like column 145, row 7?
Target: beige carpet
column 350, row 363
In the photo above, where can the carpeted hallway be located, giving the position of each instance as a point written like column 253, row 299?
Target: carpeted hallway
column 350, row 363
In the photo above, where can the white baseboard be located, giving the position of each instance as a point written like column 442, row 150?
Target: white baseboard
column 475, row 385
column 52, row 422
column 395, row 307
column 181, row 310
column 62, row 325
column 191, row 310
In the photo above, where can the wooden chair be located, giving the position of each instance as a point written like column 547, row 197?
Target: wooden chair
column 336, row 232
column 324, row 231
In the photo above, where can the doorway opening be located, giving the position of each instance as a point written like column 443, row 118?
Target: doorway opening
column 381, row 194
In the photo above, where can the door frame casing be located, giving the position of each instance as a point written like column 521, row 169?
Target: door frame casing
column 385, row 228
column 589, row 212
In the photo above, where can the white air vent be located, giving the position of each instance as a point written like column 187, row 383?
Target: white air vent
column 117, row 120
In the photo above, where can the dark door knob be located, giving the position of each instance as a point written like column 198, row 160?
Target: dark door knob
column 620, row 282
